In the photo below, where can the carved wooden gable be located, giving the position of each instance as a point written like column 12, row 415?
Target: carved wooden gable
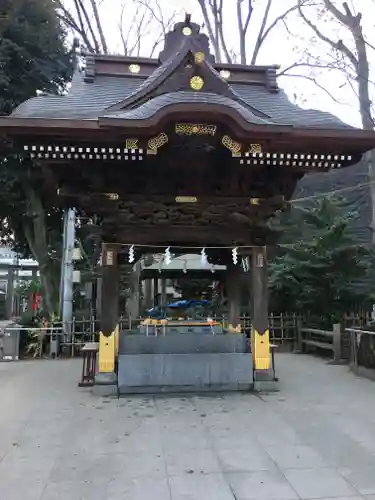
column 186, row 66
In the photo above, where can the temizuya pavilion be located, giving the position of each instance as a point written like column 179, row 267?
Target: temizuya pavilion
column 186, row 153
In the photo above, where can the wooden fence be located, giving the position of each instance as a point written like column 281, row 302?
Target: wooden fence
column 328, row 341
column 284, row 330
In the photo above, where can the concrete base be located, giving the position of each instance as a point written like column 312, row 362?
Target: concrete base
column 106, row 379
column 264, row 381
column 145, row 373
column 184, row 363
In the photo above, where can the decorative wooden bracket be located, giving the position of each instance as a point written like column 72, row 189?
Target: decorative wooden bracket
column 255, row 149
column 132, row 144
column 233, row 146
column 156, row 142
column 195, row 129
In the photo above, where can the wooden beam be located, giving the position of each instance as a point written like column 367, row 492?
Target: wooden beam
column 187, row 236
column 176, row 274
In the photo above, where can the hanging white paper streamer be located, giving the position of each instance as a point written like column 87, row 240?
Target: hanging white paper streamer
column 131, row 254
column 168, row 257
column 204, row 257
column 235, row 255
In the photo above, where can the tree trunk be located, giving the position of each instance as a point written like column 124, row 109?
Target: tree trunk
column 37, row 237
column 363, row 72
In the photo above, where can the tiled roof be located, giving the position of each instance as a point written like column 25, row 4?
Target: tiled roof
column 90, row 100
column 151, row 107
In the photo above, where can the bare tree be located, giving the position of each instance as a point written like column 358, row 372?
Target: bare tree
column 148, row 20
column 138, row 20
column 348, row 48
column 84, row 21
column 213, row 12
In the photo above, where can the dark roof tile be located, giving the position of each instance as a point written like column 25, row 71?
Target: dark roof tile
column 283, row 111
column 89, row 100
column 149, row 108
column 84, row 100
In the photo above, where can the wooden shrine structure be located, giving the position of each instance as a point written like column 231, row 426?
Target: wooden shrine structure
column 181, row 152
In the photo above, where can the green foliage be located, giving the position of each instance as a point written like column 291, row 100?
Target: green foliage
column 26, row 287
column 34, row 58
column 33, row 53
column 323, row 270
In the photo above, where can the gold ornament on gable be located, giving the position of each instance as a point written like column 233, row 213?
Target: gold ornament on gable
column 225, row 74
column 195, row 129
column 134, row 68
column 199, row 57
column 156, row 142
column 232, row 145
column 196, row 82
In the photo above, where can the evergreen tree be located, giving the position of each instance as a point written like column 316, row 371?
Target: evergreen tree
column 34, row 58
column 324, row 271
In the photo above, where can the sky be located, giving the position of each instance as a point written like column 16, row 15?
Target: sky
column 280, row 47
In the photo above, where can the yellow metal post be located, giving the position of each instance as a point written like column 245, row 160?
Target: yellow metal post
column 107, row 353
column 109, row 335
column 260, row 334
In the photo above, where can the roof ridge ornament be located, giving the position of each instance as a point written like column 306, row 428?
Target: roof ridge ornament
column 176, row 38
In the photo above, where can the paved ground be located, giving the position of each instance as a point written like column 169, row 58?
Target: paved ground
column 314, row 439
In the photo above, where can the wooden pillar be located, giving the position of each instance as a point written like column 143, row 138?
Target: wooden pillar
column 135, row 297
column 108, row 344
column 98, row 305
column 147, row 294
column 156, row 292
column 260, row 335
column 163, row 301
column 234, row 297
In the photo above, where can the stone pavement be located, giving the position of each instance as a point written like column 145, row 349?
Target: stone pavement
column 313, row 440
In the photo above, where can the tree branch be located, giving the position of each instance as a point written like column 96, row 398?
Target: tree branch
column 313, row 80
column 305, row 65
column 220, row 30
column 260, row 37
column 275, row 23
column 340, row 46
column 99, row 26
column 80, row 7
